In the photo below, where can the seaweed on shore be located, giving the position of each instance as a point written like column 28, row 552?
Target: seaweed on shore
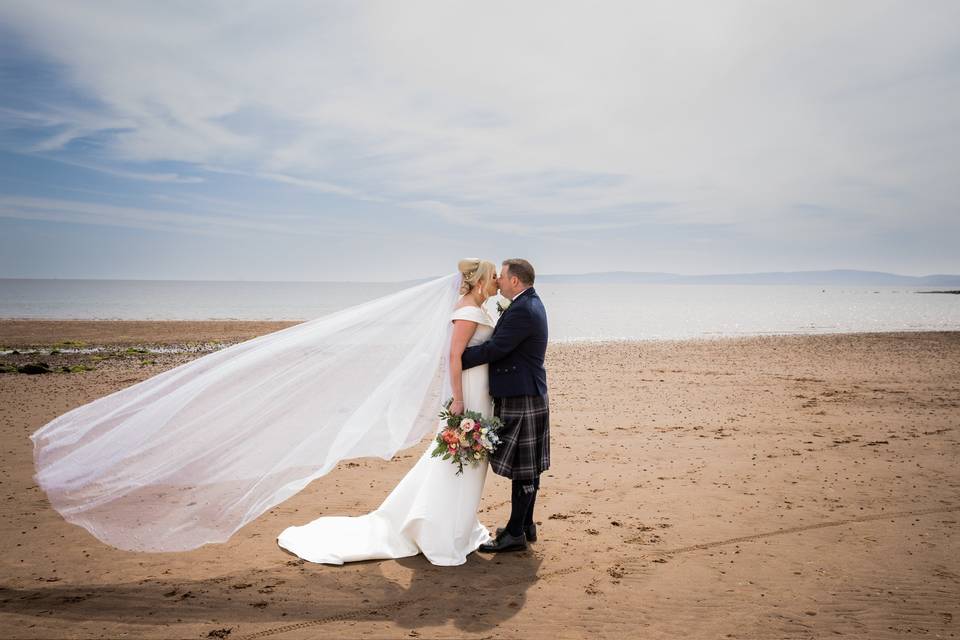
column 135, row 351
column 77, row 368
column 69, row 344
column 34, row 368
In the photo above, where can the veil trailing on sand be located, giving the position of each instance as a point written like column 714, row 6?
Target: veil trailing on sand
column 189, row 456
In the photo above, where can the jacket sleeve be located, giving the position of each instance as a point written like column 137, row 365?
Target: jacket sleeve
column 513, row 329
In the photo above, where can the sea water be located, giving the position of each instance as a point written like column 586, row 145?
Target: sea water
column 576, row 311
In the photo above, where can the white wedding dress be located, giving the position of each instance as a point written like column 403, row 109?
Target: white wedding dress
column 431, row 511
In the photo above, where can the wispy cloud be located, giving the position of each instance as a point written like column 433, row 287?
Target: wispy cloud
column 138, row 175
column 79, row 212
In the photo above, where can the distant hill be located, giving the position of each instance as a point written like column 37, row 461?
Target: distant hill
column 835, row 277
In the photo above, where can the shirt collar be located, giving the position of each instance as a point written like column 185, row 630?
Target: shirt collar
column 520, row 294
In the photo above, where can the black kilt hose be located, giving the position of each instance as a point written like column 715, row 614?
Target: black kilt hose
column 524, row 451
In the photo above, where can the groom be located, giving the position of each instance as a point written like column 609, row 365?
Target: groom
column 518, row 384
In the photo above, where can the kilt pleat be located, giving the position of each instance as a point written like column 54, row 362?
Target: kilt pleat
column 524, row 451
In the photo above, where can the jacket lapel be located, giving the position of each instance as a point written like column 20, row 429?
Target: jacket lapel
column 526, row 294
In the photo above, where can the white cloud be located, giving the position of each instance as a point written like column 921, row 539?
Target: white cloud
column 206, row 223
column 732, row 112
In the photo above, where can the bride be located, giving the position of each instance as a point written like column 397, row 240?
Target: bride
column 189, row 456
column 432, row 510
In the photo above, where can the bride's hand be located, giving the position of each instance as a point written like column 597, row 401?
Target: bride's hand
column 456, row 407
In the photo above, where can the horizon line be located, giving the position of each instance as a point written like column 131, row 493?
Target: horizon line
column 543, row 275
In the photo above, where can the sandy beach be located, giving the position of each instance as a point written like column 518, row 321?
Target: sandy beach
column 765, row 487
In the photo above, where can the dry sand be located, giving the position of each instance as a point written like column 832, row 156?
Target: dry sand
column 802, row 486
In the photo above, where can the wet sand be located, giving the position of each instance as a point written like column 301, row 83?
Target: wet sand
column 799, row 487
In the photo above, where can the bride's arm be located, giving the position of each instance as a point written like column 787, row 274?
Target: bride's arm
column 462, row 332
column 511, row 331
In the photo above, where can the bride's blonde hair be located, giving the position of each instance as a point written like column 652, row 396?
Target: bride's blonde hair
column 474, row 271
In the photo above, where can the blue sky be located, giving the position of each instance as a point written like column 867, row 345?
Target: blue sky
column 357, row 141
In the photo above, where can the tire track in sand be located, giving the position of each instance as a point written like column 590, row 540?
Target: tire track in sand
column 798, row 529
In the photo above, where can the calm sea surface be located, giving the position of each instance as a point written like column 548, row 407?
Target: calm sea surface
column 576, row 311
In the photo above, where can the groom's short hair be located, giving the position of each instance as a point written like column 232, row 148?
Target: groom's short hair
column 522, row 269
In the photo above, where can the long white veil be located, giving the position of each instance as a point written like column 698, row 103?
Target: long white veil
column 192, row 454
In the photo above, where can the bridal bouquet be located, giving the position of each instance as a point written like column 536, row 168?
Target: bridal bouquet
column 467, row 438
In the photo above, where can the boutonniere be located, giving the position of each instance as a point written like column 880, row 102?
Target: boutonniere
column 502, row 305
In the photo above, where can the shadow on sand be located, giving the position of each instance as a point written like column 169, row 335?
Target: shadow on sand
column 475, row 597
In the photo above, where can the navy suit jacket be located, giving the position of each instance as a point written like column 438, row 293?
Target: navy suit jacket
column 515, row 350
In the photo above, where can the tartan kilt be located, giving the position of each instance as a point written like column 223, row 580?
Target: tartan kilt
column 524, row 451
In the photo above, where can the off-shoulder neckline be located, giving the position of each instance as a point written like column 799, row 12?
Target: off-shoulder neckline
column 480, row 310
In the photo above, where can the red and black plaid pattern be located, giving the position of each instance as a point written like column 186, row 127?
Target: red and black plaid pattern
column 524, row 451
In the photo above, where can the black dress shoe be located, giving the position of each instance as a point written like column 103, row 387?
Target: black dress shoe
column 530, row 532
column 504, row 542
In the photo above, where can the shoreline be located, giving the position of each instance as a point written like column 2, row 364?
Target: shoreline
column 167, row 336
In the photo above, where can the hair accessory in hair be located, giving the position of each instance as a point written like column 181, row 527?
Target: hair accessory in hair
column 469, row 266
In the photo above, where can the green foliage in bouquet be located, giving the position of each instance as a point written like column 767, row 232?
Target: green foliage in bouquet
column 466, row 438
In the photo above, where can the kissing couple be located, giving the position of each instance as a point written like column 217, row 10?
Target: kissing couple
column 495, row 367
